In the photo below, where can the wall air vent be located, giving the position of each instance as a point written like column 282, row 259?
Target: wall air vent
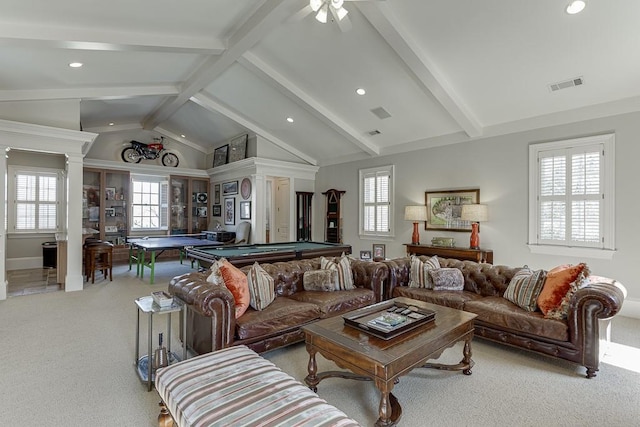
column 374, row 132
column 381, row 113
column 566, row 84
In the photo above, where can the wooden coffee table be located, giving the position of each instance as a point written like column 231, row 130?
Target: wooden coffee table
column 384, row 361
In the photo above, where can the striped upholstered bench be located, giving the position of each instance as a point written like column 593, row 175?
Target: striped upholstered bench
column 237, row 387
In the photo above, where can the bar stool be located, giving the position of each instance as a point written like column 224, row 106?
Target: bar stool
column 98, row 257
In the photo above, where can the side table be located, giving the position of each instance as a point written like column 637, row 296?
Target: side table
column 148, row 306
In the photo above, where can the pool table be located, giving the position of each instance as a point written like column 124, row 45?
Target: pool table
column 241, row 255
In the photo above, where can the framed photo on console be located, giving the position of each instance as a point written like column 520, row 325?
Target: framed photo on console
column 444, row 209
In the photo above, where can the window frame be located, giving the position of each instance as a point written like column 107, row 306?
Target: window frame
column 606, row 248
column 59, row 174
column 162, row 206
column 363, row 173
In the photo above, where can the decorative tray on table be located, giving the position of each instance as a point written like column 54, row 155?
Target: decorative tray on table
column 388, row 319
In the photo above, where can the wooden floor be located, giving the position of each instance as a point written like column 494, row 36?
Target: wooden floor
column 31, row 281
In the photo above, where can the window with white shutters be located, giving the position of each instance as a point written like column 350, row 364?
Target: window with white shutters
column 149, row 207
column 376, row 201
column 35, row 200
column 571, row 188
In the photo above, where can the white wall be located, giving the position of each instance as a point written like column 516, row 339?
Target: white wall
column 56, row 113
column 498, row 166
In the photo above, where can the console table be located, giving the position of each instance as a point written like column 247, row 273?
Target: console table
column 477, row 255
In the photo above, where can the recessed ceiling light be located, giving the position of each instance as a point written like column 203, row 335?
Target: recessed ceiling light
column 575, row 6
column 360, row 91
column 290, row 119
column 75, row 64
column 111, row 124
column 182, row 135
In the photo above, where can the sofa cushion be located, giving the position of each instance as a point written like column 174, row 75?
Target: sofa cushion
column 343, row 267
column 447, row 279
column 453, row 299
column 505, row 315
column 557, row 285
column 419, row 272
column 261, row 287
column 282, row 314
column 236, row 281
column 320, row 280
column 525, row 287
column 335, row 303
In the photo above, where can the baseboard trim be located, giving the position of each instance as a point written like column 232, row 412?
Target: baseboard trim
column 23, row 263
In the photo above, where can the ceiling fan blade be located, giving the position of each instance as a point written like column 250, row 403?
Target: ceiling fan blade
column 344, row 24
column 301, row 14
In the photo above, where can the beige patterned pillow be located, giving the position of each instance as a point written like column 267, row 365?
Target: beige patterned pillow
column 343, row 267
column 261, row 288
column 215, row 276
column 419, row 273
column 447, row 279
column 320, row 280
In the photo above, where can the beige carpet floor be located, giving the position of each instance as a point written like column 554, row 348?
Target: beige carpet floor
column 67, row 359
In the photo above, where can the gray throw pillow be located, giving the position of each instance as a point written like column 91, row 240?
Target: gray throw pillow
column 447, row 279
column 320, row 280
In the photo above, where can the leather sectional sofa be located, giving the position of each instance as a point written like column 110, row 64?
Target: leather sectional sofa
column 576, row 338
column 211, row 308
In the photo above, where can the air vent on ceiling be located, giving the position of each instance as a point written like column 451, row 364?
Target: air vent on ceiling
column 374, row 132
column 566, row 84
column 381, row 113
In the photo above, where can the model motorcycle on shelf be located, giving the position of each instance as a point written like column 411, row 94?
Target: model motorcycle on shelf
column 139, row 150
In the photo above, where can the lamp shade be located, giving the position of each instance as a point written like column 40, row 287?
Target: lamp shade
column 474, row 213
column 415, row 213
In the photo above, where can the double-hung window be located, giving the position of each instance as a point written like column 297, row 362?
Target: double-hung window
column 571, row 194
column 149, row 207
column 376, row 201
column 35, row 196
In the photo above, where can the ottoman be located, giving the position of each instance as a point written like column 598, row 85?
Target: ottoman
column 237, row 387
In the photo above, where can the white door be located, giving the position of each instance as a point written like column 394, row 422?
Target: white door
column 282, row 210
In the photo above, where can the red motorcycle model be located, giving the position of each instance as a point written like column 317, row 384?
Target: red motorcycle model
column 139, row 150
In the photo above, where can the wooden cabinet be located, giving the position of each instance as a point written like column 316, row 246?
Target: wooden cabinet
column 333, row 216
column 303, row 216
column 188, row 204
column 105, row 197
column 477, row 255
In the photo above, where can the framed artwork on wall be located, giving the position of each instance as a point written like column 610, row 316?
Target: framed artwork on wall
column 230, row 211
column 229, row 188
column 217, row 210
column 245, row 210
column 238, row 148
column 220, row 155
column 216, row 194
column 444, row 209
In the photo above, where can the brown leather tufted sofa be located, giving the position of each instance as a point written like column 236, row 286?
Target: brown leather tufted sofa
column 210, row 309
column 576, row 339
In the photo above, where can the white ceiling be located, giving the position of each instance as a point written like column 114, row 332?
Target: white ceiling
column 446, row 71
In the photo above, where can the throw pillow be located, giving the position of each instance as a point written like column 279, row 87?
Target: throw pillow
column 320, row 280
column 418, row 273
column 236, row 281
column 562, row 310
column 447, row 279
column 343, row 267
column 524, row 288
column 261, row 287
column 215, row 276
column 557, row 284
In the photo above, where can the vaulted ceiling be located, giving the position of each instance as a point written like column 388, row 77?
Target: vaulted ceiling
column 435, row 71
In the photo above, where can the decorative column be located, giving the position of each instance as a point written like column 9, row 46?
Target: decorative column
column 74, row 280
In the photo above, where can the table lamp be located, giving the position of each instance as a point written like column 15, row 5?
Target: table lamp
column 415, row 214
column 475, row 214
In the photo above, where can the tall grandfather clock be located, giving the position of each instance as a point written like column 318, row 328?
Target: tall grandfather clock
column 333, row 218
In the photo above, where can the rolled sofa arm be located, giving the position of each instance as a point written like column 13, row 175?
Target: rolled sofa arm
column 398, row 275
column 600, row 299
column 370, row 275
column 208, row 303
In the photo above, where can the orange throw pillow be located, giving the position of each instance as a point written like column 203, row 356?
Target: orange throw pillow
column 557, row 285
column 237, row 283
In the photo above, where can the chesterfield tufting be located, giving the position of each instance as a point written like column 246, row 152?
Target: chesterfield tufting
column 210, row 308
column 576, row 338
